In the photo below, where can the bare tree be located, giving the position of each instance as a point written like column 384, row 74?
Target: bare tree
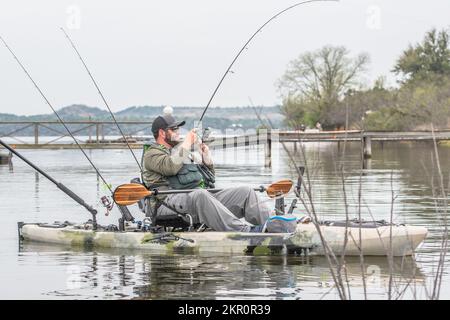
column 320, row 79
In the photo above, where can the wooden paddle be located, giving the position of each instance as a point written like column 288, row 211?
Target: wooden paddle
column 130, row 193
column 279, row 188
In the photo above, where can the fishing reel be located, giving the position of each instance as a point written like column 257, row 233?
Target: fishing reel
column 205, row 135
column 107, row 203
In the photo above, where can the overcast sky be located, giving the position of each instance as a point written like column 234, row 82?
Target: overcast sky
column 153, row 52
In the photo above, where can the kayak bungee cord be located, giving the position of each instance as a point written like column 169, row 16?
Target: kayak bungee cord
column 248, row 41
column 56, row 113
column 101, row 95
column 60, row 186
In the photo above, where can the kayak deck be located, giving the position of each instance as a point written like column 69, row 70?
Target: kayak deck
column 305, row 240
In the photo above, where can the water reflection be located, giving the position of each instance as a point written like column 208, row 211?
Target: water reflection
column 132, row 274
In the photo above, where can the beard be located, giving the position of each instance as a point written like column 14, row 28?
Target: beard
column 172, row 140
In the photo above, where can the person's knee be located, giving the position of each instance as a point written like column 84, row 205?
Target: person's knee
column 244, row 189
column 199, row 194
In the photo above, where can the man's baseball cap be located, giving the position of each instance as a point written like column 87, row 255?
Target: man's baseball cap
column 164, row 122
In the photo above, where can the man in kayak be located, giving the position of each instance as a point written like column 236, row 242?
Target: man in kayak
column 169, row 164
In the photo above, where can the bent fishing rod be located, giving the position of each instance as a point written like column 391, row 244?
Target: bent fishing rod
column 101, row 95
column 248, row 41
column 56, row 113
column 60, row 186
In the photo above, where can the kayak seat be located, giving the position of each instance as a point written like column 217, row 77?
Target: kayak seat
column 175, row 221
column 141, row 203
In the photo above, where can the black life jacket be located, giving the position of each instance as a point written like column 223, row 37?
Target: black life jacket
column 192, row 176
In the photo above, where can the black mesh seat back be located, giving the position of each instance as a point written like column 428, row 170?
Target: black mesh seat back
column 136, row 180
column 172, row 220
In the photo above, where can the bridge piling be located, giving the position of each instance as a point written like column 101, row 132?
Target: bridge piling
column 268, row 153
column 367, row 164
column 367, row 147
column 97, row 130
column 5, row 158
column 36, row 133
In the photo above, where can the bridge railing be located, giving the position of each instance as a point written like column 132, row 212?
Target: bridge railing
column 90, row 129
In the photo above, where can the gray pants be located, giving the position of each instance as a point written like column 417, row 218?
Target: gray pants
column 220, row 211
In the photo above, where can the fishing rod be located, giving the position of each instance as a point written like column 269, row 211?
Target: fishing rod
column 56, row 113
column 248, row 41
column 101, row 95
column 62, row 187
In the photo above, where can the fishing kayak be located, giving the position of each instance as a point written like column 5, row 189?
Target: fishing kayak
column 305, row 240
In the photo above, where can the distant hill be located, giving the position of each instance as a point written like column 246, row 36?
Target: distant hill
column 79, row 111
column 219, row 118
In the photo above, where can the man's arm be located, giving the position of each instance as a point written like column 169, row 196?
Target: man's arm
column 162, row 163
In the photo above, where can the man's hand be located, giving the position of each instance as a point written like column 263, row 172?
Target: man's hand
column 190, row 139
column 206, row 156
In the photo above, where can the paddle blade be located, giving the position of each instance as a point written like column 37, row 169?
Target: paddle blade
column 127, row 194
column 279, row 188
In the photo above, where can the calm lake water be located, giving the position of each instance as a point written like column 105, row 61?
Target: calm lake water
column 54, row 272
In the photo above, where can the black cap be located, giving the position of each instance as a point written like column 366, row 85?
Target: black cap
column 166, row 121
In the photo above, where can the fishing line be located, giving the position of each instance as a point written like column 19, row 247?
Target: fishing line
column 56, row 113
column 248, row 41
column 101, row 95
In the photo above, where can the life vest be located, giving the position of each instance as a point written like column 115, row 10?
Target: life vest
column 192, row 176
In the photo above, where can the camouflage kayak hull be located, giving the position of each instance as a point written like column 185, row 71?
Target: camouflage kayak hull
column 305, row 240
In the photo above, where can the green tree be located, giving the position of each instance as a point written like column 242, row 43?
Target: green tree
column 359, row 104
column 425, row 59
column 298, row 112
column 417, row 104
column 316, row 82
